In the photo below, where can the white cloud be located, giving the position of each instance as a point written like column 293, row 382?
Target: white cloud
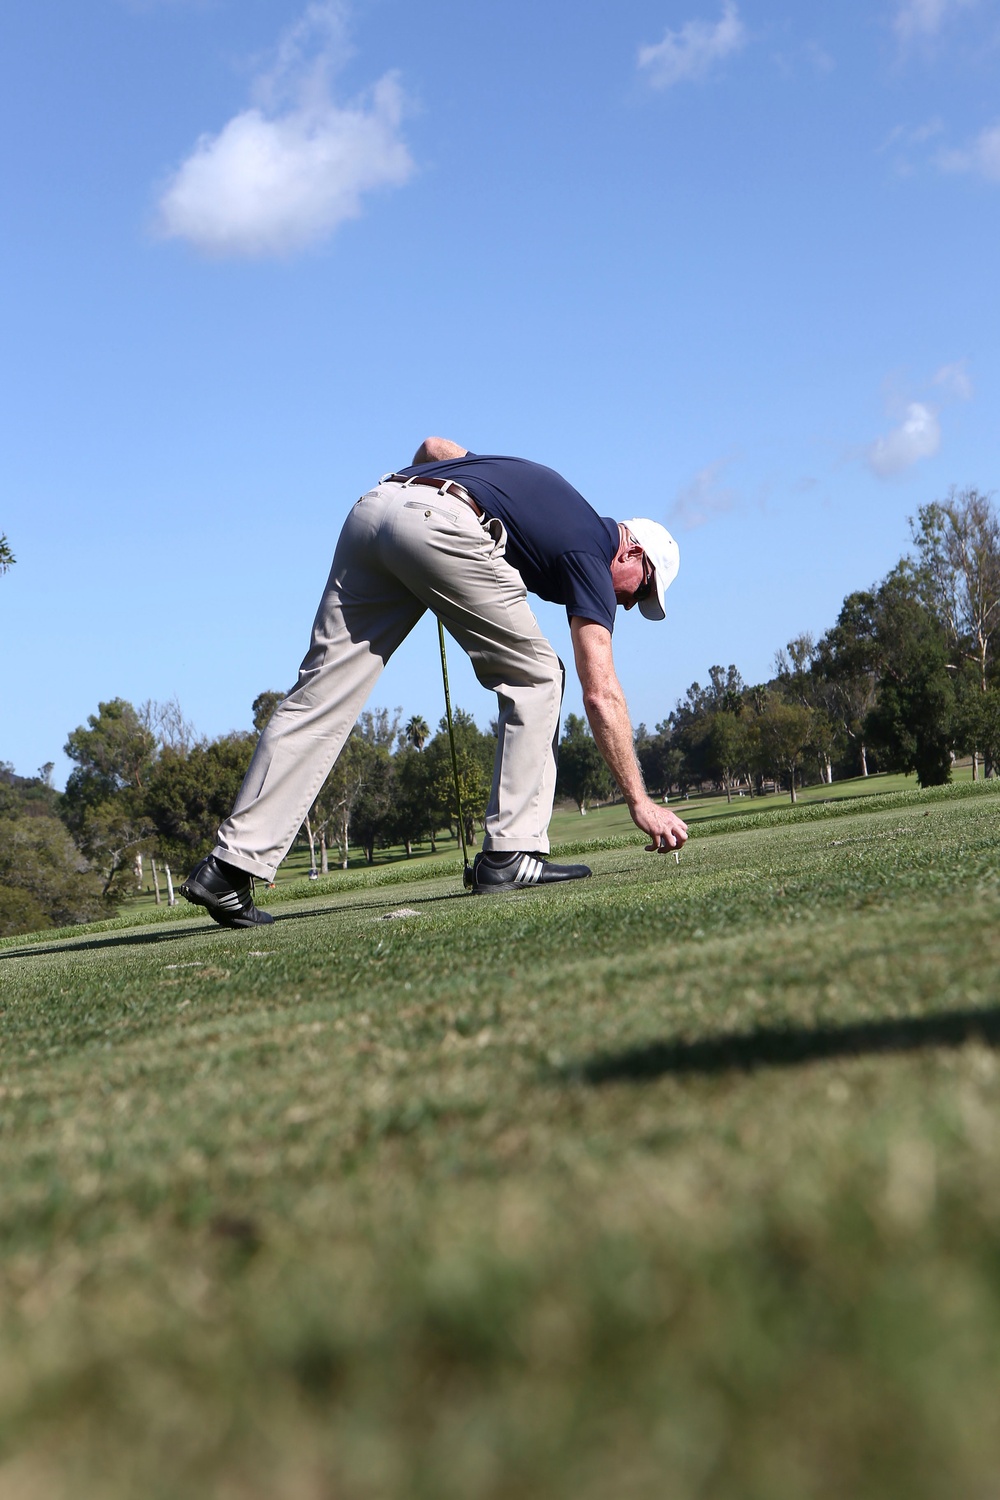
column 692, row 51
column 906, row 141
column 822, row 60
column 981, row 157
column 306, row 57
column 955, row 381
column 284, row 173
column 913, row 135
column 703, row 498
column 810, row 54
column 916, row 19
column 917, row 436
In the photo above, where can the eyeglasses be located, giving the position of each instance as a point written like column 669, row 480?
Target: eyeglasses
column 646, row 586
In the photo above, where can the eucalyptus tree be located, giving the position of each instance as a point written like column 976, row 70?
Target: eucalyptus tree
column 784, row 732
column 846, row 667
column 411, row 815
column 726, row 747
column 190, row 792
column 104, row 802
column 263, row 707
column 43, row 880
column 475, row 753
column 661, row 759
column 372, row 810
column 913, row 721
column 692, row 718
column 799, row 681
column 958, row 546
column 582, row 774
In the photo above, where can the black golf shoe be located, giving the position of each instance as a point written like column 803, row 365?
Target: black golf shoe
column 514, row 872
column 226, row 894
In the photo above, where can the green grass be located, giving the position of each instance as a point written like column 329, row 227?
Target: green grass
column 677, row 1182
column 568, row 828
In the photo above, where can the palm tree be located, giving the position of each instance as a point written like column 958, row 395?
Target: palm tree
column 417, row 731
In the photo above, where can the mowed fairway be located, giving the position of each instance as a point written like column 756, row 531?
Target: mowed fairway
column 678, row 1182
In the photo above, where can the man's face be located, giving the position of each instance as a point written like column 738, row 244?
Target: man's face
column 631, row 573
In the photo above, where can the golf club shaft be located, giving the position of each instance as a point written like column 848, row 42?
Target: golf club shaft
column 451, row 737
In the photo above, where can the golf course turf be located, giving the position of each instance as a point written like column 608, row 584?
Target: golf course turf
column 677, row 1182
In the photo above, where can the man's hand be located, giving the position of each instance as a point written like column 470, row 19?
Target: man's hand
column 665, row 828
column 607, row 711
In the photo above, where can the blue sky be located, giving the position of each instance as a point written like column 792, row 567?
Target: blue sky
column 727, row 263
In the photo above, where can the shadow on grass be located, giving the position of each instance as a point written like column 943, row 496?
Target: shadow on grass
column 109, row 940
column 790, row 1047
column 140, row 939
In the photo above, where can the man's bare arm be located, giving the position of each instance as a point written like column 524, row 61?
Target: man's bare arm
column 607, row 712
column 434, row 450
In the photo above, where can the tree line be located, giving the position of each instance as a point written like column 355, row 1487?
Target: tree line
column 904, row 680
column 145, row 787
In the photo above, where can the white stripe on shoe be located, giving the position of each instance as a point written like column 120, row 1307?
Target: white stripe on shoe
column 529, row 871
column 231, row 899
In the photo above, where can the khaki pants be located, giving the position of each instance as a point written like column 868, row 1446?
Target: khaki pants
column 405, row 549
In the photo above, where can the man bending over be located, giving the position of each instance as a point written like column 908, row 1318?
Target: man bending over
column 466, row 536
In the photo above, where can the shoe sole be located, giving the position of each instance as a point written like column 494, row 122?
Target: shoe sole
column 512, row 886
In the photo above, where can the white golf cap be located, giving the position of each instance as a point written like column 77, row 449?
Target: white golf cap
column 664, row 554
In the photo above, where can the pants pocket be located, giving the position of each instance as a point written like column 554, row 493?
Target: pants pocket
column 437, row 510
column 494, row 529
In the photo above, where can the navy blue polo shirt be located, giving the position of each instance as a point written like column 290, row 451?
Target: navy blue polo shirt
column 558, row 543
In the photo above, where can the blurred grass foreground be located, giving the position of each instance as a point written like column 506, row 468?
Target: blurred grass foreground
column 679, row 1182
